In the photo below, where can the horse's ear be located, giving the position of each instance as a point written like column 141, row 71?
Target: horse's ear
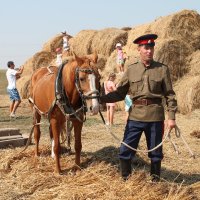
column 75, row 57
column 94, row 57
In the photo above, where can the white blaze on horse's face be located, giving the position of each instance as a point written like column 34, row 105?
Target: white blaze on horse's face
column 94, row 108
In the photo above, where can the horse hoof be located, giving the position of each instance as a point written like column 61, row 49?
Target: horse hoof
column 66, row 151
column 58, row 172
column 76, row 168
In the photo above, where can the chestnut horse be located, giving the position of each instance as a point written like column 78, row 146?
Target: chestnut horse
column 63, row 94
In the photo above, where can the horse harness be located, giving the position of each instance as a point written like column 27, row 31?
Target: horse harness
column 61, row 99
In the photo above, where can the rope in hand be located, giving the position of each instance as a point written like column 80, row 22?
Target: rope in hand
column 167, row 136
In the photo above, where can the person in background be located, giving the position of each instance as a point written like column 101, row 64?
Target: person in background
column 128, row 104
column 120, row 58
column 58, row 57
column 12, row 75
column 66, row 47
column 148, row 82
column 109, row 86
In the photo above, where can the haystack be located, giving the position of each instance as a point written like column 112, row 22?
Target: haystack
column 23, row 85
column 54, row 43
column 81, row 43
column 188, row 93
column 101, row 62
column 40, row 59
column 173, row 52
column 196, row 38
column 194, row 63
column 104, row 41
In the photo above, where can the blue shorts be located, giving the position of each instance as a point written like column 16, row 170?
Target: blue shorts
column 14, row 94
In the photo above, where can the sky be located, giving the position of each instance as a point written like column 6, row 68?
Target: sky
column 25, row 25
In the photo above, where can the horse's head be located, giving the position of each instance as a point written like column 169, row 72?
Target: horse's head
column 87, row 81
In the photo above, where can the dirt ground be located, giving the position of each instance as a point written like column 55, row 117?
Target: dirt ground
column 99, row 178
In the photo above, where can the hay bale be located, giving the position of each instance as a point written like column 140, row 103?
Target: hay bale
column 42, row 59
column 194, row 63
column 23, row 86
column 104, row 41
column 196, row 40
column 101, row 62
column 53, row 43
column 173, row 53
column 188, row 93
column 81, row 43
column 181, row 25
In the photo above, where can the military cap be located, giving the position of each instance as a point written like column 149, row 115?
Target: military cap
column 147, row 39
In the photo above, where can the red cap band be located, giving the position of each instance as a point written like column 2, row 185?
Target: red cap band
column 149, row 41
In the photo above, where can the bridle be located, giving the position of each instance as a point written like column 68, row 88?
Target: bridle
column 93, row 94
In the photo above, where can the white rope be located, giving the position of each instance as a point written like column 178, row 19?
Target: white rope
column 167, row 136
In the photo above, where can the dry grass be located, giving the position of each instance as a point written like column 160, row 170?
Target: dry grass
column 3, row 82
column 29, row 178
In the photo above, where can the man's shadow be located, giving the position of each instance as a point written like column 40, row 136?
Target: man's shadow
column 110, row 155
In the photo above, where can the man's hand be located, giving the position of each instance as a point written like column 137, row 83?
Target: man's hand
column 22, row 67
column 171, row 124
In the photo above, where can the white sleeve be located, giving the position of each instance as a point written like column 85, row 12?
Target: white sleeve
column 13, row 72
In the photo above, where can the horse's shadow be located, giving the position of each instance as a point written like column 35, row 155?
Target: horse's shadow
column 110, row 155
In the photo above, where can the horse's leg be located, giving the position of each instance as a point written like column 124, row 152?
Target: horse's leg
column 52, row 141
column 36, row 119
column 69, row 129
column 55, row 142
column 78, row 145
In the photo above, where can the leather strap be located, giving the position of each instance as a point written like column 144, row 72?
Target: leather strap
column 147, row 102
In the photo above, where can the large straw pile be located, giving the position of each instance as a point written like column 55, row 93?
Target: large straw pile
column 103, row 41
column 40, row 59
column 81, row 43
column 188, row 93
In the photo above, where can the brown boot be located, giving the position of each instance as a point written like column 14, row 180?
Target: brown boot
column 155, row 171
column 125, row 168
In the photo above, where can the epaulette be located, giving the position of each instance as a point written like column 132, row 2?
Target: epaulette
column 131, row 65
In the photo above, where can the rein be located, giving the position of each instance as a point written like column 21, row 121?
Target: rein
column 167, row 136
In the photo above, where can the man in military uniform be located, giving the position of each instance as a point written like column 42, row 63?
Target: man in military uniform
column 148, row 82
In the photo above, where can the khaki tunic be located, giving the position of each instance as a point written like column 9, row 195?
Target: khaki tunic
column 152, row 82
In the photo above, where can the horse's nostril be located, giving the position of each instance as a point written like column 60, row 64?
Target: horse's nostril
column 90, row 108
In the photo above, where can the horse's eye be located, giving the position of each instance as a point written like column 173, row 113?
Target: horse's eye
column 82, row 79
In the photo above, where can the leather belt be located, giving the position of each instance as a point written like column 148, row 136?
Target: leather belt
column 146, row 102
